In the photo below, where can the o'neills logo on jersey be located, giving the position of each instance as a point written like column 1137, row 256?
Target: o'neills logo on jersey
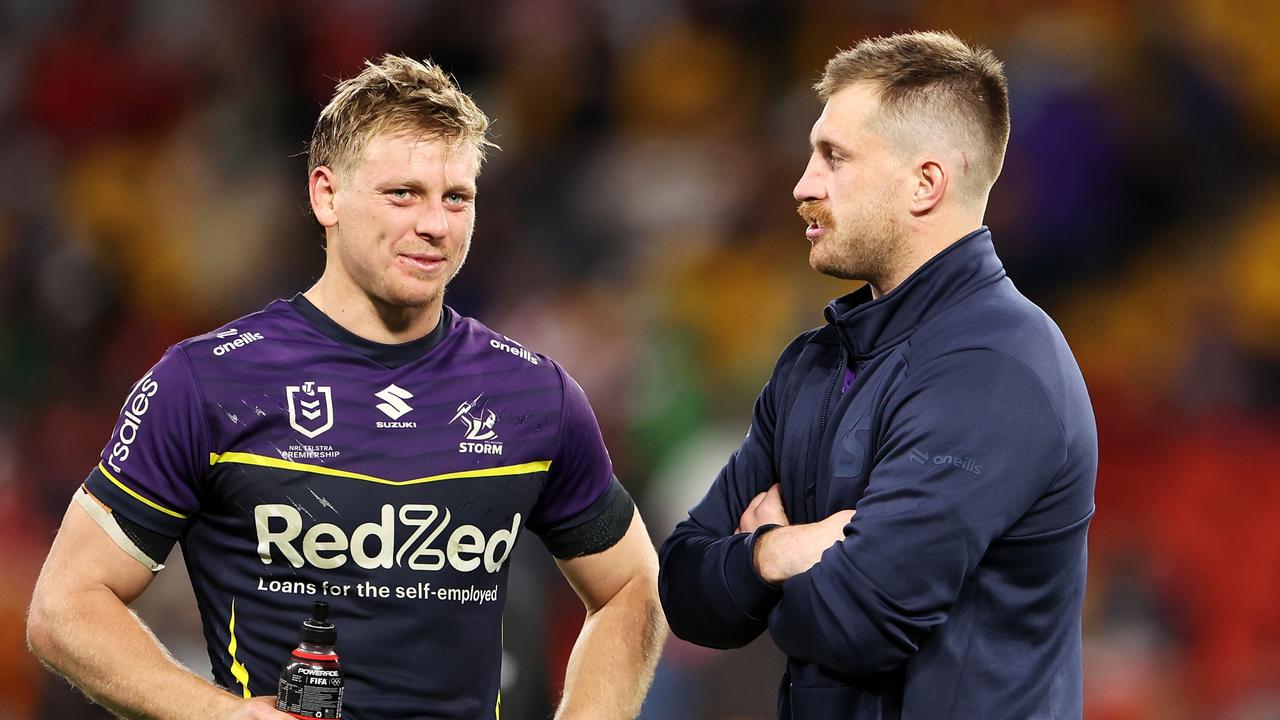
column 133, row 411
column 513, row 348
column 239, row 342
column 372, row 545
column 481, row 437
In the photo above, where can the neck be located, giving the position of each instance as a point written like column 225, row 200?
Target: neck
column 369, row 317
column 921, row 247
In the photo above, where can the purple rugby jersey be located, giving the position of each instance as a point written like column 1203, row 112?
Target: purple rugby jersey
column 295, row 461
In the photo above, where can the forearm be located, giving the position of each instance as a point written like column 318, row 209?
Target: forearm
column 612, row 662
column 90, row 637
column 711, row 594
column 788, row 551
column 830, row 612
column 837, row 620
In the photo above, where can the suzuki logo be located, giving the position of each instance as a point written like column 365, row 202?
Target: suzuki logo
column 394, row 406
column 310, row 408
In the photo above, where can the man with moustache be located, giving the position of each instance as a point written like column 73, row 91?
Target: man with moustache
column 908, row 512
column 363, row 444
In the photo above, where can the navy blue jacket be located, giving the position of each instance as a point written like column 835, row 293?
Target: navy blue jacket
column 952, row 416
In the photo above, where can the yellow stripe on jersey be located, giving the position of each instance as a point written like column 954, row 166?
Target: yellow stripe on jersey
column 238, row 670
column 265, row 461
column 497, row 705
column 122, row 486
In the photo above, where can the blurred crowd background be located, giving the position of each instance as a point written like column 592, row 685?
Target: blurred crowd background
column 638, row 226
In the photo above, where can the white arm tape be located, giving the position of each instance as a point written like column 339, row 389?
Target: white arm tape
column 102, row 516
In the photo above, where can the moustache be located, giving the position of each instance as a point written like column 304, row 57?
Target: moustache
column 816, row 213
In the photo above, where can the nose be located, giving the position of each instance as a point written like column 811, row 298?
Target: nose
column 811, row 185
column 433, row 221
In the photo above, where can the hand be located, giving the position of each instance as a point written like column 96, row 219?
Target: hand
column 789, row 551
column 259, row 708
column 765, row 509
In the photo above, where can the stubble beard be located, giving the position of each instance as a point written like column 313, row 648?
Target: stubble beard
column 386, row 288
column 401, row 294
column 869, row 250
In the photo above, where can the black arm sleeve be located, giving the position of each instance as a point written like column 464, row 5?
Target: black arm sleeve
column 610, row 516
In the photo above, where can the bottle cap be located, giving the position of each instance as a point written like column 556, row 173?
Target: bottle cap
column 318, row 630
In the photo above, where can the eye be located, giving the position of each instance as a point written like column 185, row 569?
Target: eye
column 456, row 198
column 400, row 194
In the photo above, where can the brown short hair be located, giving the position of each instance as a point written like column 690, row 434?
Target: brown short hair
column 395, row 93
column 933, row 76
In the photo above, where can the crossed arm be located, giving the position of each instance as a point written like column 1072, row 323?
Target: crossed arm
column 791, row 549
column 858, row 597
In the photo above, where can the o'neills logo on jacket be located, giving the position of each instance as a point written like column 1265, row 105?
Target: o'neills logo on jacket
column 133, row 411
column 964, row 463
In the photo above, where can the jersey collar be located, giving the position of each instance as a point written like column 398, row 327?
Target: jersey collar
column 390, row 356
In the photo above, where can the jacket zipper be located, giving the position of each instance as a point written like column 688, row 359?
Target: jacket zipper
column 826, row 407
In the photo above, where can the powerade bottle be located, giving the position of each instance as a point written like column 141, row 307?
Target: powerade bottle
column 311, row 682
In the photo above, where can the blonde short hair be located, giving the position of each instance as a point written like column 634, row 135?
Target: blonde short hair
column 396, row 93
column 937, row 80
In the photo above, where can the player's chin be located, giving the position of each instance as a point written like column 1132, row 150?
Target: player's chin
column 827, row 265
column 819, row 258
column 415, row 292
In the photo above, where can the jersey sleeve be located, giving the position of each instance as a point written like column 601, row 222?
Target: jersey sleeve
column 583, row 509
column 149, row 469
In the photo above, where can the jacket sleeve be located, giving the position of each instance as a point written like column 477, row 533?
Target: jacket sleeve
column 710, row 591
column 971, row 441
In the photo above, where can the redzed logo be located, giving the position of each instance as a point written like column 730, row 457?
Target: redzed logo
column 411, row 542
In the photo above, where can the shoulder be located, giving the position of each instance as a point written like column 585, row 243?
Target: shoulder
column 274, row 322
column 999, row 351
column 530, row 373
column 994, row 330
column 494, row 352
column 479, row 336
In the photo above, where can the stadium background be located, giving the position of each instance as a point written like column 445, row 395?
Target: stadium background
column 638, row 226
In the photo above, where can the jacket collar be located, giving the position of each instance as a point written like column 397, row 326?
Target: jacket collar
column 866, row 326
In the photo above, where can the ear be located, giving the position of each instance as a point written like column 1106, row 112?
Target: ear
column 931, row 185
column 322, row 186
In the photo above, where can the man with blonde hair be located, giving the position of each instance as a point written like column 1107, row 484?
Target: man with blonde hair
column 361, row 444
column 907, row 514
